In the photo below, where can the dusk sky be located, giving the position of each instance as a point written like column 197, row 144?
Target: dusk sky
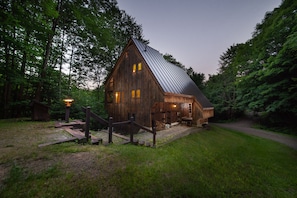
column 197, row 32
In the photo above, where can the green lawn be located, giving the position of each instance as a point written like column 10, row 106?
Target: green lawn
column 211, row 163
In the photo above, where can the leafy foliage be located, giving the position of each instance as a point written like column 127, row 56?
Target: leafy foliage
column 171, row 59
column 50, row 46
column 198, row 78
column 262, row 72
column 273, row 66
column 222, row 89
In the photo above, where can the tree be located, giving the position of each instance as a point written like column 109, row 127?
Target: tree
column 268, row 84
column 198, row 78
column 171, row 59
column 260, row 75
column 40, row 38
column 22, row 39
column 222, row 88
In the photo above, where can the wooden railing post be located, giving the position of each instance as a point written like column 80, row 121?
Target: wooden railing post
column 67, row 113
column 131, row 132
column 87, row 131
column 110, row 130
column 154, row 132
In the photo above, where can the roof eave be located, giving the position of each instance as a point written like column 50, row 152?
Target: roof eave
column 180, row 95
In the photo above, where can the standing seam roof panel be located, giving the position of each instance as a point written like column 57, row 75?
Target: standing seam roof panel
column 171, row 78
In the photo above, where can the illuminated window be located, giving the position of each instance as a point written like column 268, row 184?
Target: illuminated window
column 138, row 93
column 134, row 68
column 133, row 93
column 117, row 97
column 139, row 66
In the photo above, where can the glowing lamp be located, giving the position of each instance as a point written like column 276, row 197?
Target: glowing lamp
column 68, row 102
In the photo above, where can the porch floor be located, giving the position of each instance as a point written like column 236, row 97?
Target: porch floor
column 163, row 137
column 167, row 135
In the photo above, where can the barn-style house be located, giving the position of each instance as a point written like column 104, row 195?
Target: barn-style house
column 144, row 85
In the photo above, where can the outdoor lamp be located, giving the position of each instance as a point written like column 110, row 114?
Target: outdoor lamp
column 68, row 102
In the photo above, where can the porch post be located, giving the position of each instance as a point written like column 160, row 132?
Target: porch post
column 131, row 132
column 110, row 130
column 154, row 132
column 87, row 132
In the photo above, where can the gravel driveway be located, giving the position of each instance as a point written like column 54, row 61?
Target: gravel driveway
column 245, row 126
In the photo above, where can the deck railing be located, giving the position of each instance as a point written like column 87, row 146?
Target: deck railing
column 111, row 124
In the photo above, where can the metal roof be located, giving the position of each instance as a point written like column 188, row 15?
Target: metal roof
column 171, row 78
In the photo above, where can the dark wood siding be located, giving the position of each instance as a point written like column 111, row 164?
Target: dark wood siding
column 124, row 81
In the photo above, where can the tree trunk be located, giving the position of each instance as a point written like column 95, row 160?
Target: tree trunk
column 20, row 92
column 44, row 65
column 7, row 84
column 70, row 67
column 42, row 76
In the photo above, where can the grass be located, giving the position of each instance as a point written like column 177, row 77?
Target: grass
column 212, row 163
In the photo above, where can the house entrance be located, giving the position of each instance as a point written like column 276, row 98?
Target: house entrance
column 168, row 113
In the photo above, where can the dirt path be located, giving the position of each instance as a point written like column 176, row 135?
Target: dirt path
column 245, row 126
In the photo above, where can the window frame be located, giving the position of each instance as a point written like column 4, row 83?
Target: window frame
column 133, row 93
column 117, row 97
column 138, row 94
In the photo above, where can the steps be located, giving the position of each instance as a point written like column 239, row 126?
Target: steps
column 76, row 128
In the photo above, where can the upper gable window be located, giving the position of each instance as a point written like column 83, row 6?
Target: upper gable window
column 134, row 68
column 137, row 67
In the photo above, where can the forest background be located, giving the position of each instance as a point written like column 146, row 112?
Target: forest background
column 53, row 49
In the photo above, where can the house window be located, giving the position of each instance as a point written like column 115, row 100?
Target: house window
column 133, row 93
column 134, row 68
column 138, row 93
column 139, row 66
column 117, row 97
column 109, row 97
column 111, row 84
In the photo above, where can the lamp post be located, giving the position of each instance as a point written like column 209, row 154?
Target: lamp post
column 68, row 102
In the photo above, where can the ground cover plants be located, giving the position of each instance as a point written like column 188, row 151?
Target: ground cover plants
column 210, row 163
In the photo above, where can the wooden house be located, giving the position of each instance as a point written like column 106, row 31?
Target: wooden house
column 144, row 85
